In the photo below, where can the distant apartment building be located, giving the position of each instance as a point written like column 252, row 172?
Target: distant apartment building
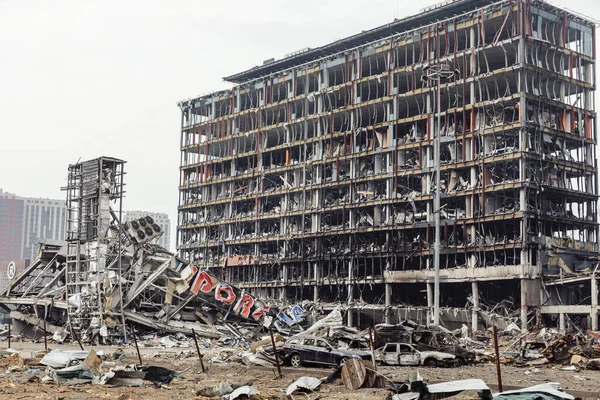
column 162, row 219
column 24, row 221
column 42, row 218
column 11, row 226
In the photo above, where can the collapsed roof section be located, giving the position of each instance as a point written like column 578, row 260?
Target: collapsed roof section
column 110, row 273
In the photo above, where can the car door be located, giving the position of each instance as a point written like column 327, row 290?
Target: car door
column 326, row 352
column 292, row 346
column 390, row 354
column 310, row 352
column 408, row 355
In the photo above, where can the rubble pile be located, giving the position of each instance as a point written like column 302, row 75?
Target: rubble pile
column 66, row 368
column 109, row 276
column 250, row 344
column 546, row 348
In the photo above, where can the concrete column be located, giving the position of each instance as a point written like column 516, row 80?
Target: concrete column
column 316, row 287
column 350, row 280
column 594, row 312
column 388, row 303
column 284, row 274
column 471, row 38
column 475, row 312
column 350, row 297
column 561, row 323
column 523, row 305
column 285, row 278
column 429, row 303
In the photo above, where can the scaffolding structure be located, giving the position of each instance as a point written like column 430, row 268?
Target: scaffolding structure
column 313, row 178
column 91, row 188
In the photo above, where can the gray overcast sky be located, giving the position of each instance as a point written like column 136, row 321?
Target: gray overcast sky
column 81, row 79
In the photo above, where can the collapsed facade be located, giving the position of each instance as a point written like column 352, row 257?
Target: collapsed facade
column 109, row 276
column 313, row 178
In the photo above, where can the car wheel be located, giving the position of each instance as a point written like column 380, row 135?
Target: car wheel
column 430, row 362
column 460, row 361
column 296, row 360
column 343, row 360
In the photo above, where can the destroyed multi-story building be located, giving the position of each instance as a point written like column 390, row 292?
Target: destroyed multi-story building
column 313, row 177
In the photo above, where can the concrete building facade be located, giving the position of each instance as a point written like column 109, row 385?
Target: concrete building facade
column 162, row 219
column 24, row 221
column 314, row 177
column 11, row 226
column 42, row 218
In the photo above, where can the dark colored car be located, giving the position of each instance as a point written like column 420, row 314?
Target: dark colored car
column 316, row 350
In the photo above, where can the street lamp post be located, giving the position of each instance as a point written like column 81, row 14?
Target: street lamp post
column 436, row 212
column 435, row 74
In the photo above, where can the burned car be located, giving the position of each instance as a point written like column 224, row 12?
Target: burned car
column 532, row 350
column 423, row 340
column 426, row 340
column 406, row 354
column 304, row 350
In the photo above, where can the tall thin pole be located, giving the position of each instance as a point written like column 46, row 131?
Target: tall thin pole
column 436, row 211
column 495, row 330
column 9, row 324
column 372, row 348
column 275, row 353
column 45, row 336
column 198, row 350
column 119, row 250
column 136, row 347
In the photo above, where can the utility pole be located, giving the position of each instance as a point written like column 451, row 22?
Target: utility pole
column 436, row 209
column 436, row 74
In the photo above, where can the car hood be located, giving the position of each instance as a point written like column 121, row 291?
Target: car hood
column 351, row 353
column 437, row 354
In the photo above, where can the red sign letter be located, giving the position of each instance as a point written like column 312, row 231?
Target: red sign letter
column 244, row 305
column 224, row 293
column 260, row 312
column 202, row 282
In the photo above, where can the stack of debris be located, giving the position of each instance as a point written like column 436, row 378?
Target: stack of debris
column 81, row 367
column 110, row 275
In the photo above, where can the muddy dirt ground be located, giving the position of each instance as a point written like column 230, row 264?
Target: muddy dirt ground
column 16, row 384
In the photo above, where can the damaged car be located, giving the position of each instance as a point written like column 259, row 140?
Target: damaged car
column 305, row 350
column 532, row 350
column 405, row 354
column 425, row 340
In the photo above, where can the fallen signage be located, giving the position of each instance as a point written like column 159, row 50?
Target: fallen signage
column 109, row 272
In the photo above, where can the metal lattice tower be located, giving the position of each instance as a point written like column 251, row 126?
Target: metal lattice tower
column 94, row 188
